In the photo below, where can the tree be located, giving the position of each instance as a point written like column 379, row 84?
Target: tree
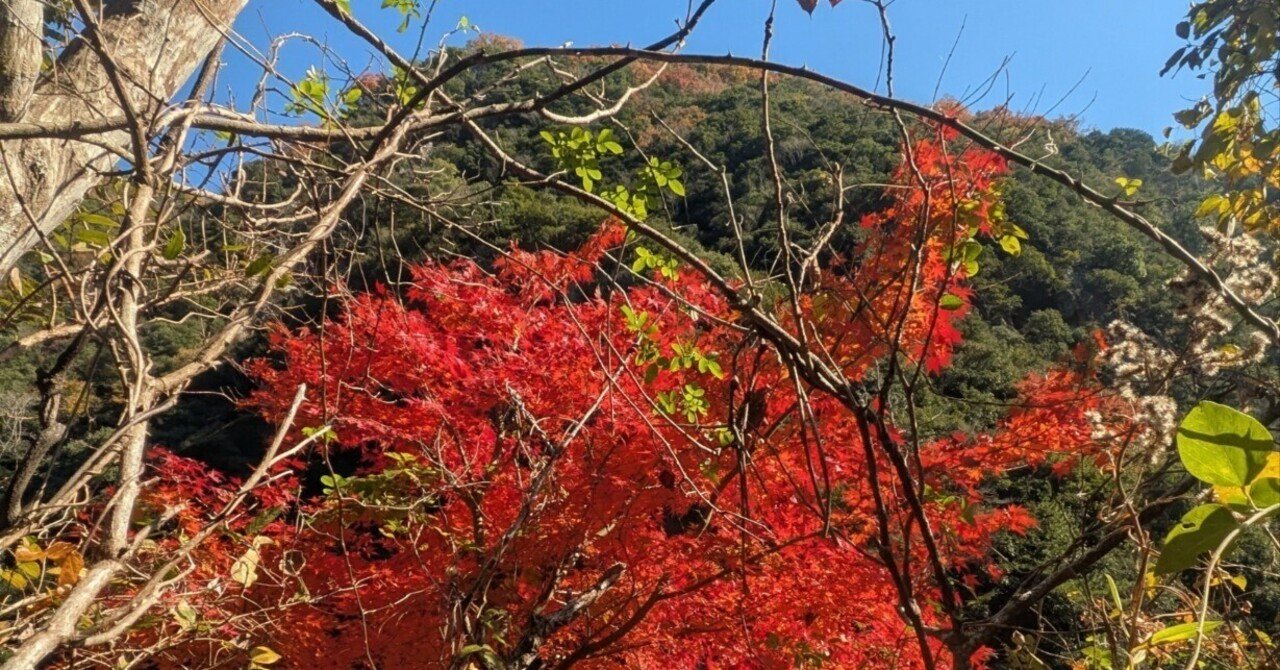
column 107, row 90
column 554, row 464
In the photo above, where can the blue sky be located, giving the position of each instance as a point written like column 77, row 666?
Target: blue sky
column 1116, row 47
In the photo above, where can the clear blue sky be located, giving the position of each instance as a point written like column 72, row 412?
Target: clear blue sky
column 1117, row 47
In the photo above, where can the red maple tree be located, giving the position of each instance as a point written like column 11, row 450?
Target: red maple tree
column 551, row 462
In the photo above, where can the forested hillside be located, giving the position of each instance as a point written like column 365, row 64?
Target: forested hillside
column 1075, row 273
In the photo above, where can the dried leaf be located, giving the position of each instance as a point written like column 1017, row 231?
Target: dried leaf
column 59, row 550
column 69, row 569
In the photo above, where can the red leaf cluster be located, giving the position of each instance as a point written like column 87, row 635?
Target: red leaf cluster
column 516, row 474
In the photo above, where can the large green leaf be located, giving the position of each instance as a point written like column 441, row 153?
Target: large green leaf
column 1202, row 529
column 1221, row 446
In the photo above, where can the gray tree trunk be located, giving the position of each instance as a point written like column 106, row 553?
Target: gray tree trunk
column 155, row 45
column 21, row 52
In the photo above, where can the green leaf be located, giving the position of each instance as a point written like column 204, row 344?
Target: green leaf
column 472, row 649
column 99, row 220
column 676, row 186
column 92, row 237
column 483, row 650
column 260, row 264
column 1097, row 656
column 173, row 248
column 1221, row 446
column 261, row 521
column 1181, row 632
column 951, row 302
column 1200, row 530
column 1265, row 492
column 1115, row 595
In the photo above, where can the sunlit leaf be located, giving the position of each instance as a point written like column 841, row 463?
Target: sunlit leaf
column 1222, row 446
column 1200, row 530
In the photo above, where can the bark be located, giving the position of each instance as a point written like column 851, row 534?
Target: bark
column 154, row 45
column 21, row 52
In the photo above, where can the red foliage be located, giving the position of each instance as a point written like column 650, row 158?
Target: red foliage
column 514, row 449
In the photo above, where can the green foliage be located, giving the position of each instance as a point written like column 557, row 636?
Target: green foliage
column 579, row 151
column 405, row 88
column 659, row 174
column 1238, row 146
column 1230, row 450
column 1199, row 531
column 652, row 260
column 1223, row 447
column 310, row 94
column 408, row 9
column 1181, row 632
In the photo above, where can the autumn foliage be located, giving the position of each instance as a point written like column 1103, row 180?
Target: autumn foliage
column 555, row 458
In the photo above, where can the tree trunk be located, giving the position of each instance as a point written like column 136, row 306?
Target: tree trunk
column 155, row 45
column 21, row 52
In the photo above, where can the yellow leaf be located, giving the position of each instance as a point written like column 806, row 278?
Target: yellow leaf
column 14, row 578
column 28, row 553
column 1130, row 186
column 1230, row 495
column 1011, row 245
column 1272, row 469
column 264, row 655
column 1211, row 204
